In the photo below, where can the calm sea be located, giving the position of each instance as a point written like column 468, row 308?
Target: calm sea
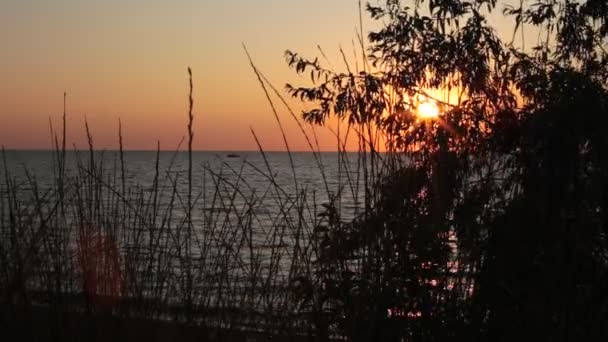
column 269, row 180
column 254, row 218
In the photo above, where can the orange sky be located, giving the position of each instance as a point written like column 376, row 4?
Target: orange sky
column 127, row 59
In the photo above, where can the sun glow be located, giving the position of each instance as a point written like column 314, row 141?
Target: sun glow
column 428, row 110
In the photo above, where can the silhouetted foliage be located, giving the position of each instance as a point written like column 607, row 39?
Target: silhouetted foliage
column 490, row 222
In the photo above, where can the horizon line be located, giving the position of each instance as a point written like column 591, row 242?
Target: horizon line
column 169, row 150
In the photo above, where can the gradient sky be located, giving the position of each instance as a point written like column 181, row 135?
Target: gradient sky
column 127, row 59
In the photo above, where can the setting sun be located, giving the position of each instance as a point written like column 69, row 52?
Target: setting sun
column 428, row 110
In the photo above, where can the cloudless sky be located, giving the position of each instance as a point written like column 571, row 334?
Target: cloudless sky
column 127, row 59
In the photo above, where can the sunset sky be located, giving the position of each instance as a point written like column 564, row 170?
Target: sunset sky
column 127, row 59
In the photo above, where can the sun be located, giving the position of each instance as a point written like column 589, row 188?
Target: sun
column 428, row 110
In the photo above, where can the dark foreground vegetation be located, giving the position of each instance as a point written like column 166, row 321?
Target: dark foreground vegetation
column 488, row 223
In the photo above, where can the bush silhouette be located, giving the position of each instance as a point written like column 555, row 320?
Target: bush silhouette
column 489, row 222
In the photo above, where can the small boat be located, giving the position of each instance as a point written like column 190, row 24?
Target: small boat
column 232, row 155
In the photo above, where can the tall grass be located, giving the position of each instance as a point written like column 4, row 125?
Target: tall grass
column 96, row 242
column 196, row 245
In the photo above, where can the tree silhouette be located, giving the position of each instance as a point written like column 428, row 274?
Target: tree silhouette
column 488, row 223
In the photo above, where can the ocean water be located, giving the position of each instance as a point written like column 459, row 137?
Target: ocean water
column 253, row 221
column 277, row 197
column 271, row 177
column 249, row 211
